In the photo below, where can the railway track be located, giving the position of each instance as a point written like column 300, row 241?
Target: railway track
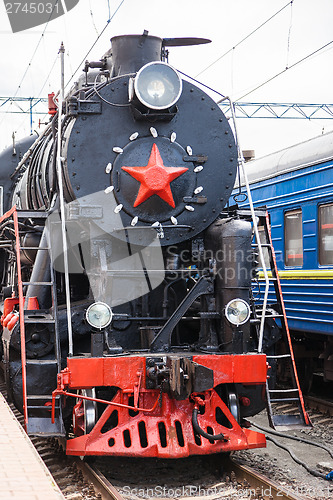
column 323, row 408
column 264, row 487
column 80, row 480
column 102, row 487
column 240, row 482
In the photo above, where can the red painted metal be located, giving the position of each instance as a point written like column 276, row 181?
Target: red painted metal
column 7, row 319
column 122, row 372
column 12, row 321
column 60, row 392
column 145, row 422
column 78, row 418
column 165, row 433
column 10, row 317
column 20, row 300
column 21, row 311
column 52, row 106
column 8, row 308
column 33, row 304
column 155, row 178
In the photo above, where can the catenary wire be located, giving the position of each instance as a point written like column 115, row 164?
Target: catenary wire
column 93, row 45
column 38, row 95
column 41, row 38
column 289, row 33
column 33, row 55
column 92, row 18
column 286, row 69
column 36, row 48
column 245, row 38
column 48, row 76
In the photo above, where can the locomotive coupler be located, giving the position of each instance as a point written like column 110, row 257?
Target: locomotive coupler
column 178, row 376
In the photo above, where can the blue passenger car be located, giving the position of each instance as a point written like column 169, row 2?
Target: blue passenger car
column 296, row 185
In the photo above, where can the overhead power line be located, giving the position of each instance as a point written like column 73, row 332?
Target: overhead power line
column 36, row 48
column 245, row 38
column 33, row 55
column 93, row 45
column 286, row 69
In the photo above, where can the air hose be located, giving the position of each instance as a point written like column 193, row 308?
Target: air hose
column 197, row 428
column 328, row 477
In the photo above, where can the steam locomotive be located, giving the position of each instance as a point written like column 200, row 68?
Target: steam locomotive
column 136, row 280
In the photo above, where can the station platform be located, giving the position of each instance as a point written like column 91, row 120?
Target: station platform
column 23, row 474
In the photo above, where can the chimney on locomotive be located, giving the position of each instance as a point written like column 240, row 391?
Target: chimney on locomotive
column 129, row 53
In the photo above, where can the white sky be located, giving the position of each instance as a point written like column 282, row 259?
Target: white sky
column 307, row 26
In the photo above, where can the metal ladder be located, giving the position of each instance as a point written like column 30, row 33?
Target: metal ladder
column 37, row 407
column 294, row 393
column 292, row 396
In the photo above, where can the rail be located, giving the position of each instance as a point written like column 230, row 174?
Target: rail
column 265, row 487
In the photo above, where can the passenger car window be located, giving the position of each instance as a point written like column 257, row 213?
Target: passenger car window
column 325, row 240
column 293, row 238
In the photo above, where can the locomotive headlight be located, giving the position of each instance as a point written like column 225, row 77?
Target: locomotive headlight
column 99, row 315
column 157, row 85
column 237, row 311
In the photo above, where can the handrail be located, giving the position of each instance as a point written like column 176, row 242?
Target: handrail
column 255, row 226
column 62, row 207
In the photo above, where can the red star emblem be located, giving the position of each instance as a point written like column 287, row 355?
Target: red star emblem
column 155, row 178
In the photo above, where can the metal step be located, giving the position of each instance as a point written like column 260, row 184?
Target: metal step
column 38, row 314
column 269, row 313
column 286, row 422
column 47, row 319
column 270, row 316
column 35, row 248
column 270, row 278
column 284, row 400
column 47, row 397
column 39, row 426
column 39, row 406
column 263, row 245
column 42, row 409
column 278, row 356
column 41, row 362
column 31, row 214
column 282, row 391
column 39, row 283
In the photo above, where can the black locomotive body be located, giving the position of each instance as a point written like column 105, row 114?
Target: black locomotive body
column 151, row 352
